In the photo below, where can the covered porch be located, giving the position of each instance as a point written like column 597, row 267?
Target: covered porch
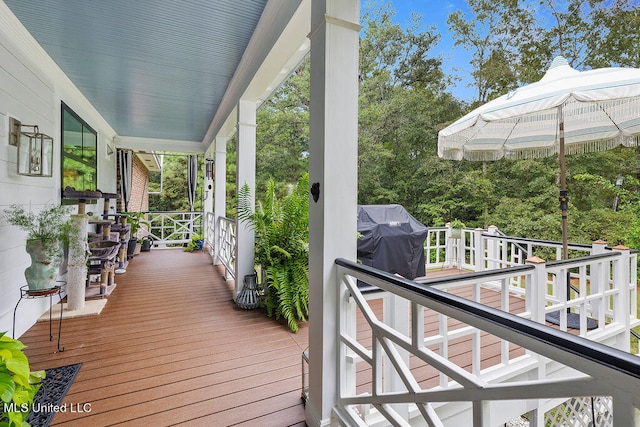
column 155, row 76
column 172, row 348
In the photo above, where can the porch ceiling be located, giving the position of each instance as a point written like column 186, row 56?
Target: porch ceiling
column 152, row 68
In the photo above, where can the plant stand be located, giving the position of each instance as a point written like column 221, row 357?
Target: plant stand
column 452, row 253
column 25, row 293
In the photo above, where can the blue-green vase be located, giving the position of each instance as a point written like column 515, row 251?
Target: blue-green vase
column 42, row 272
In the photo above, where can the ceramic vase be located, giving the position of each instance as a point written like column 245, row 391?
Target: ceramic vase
column 42, row 272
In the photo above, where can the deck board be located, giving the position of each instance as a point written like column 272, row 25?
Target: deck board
column 171, row 348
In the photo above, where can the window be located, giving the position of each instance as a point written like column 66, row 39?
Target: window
column 79, row 152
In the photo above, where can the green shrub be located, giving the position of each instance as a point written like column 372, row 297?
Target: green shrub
column 281, row 226
column 195, row 244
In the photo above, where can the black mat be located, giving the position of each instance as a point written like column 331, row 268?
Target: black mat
column 53, row 389
column 573, row 320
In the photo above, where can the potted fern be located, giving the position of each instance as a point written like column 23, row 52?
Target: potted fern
column 48, row 232
column 456, row 227
column 281, row 226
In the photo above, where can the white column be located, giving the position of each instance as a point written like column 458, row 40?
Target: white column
column 245, row 174
column 220, row 189
column 77, row 266
column 208, row 215
column 333, row 152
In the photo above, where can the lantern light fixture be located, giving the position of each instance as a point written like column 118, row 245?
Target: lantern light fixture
column 35, row 149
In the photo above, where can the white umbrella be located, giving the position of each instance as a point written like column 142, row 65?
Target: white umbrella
column 566, row 112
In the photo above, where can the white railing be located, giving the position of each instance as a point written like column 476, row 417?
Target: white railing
column 174, row 228
column 226, row 245
column 479, row 250
column 210, row 233
column 436, row 248
column 423, row 360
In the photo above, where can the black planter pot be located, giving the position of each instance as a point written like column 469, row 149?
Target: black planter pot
column 131, row 247
column 146, row 245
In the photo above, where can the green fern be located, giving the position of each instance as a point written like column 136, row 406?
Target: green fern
column 281, row 227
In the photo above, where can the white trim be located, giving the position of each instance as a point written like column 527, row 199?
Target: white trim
column 278, row 19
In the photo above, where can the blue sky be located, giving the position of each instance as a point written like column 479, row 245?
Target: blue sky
column 435, row 12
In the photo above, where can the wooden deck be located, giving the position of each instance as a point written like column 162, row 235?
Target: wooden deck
column 171, row 348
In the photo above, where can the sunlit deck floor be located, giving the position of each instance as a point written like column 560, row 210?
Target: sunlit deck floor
column 171, row 348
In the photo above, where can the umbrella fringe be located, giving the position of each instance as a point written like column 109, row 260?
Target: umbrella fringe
column 541, row 152
column 602, row 144
column 531, row 153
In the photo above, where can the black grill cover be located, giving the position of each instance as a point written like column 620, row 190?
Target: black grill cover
column 391, row 239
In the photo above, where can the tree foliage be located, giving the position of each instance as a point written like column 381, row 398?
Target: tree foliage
column 174, row 195
column 404, row 101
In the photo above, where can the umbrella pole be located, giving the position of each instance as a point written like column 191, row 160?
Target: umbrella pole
column 564, row 197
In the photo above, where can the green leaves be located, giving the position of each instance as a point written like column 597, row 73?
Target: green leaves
column 18, row 384
column 281, row 227
column 49, row 225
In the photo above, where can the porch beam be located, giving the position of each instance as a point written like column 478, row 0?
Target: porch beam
column 245, row 174
column 333, row 177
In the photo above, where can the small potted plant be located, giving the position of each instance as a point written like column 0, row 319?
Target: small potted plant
column 18, row 384
column 196, row 243
column 456, row 227
column 48, row 232
column 136, row 221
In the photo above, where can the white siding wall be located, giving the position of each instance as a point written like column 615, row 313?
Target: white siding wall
column 33, row 94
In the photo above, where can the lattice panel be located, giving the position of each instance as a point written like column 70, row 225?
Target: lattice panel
column 580, row 412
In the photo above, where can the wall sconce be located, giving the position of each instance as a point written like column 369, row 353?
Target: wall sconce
column 35, row 149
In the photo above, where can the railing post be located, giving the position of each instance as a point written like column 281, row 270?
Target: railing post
column 479, row 247
column 536, row 289
column 347, row 324
column 599, row 280
column 535, row 300
column 448, row 247
column 217, row 231
column 492, row 248
column 622, row 309
column 624, row 413
column 461, row 251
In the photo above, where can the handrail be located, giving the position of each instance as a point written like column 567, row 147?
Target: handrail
column 569, row 261
column 581, row 347
column 226, row 242
column 590, row 368
column 519, row 246
column 537, row 241
column 174, row 227
column 470, row 276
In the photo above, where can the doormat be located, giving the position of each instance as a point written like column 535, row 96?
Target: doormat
column 49, row 397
